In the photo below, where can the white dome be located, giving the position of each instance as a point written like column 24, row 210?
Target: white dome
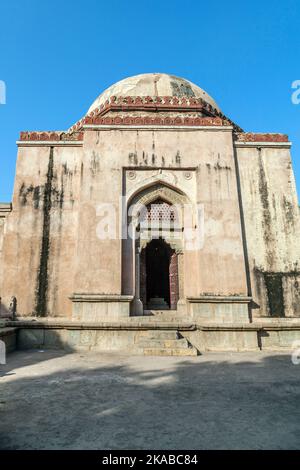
column 153, row 84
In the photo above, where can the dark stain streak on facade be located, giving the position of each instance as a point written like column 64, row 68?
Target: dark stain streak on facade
column 33, row 191
column 42, row 280
column 218, row 166
column 95, row 163
column 133, row 159
column 264, row 197
column 288, row 211
column 274, row 283
column 266, row 211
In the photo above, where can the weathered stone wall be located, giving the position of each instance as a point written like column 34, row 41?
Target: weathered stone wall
column 51, row 247
column 40, row 240
column 168, row 133
column 272, row 223
column 5, row 209
column 2, row 221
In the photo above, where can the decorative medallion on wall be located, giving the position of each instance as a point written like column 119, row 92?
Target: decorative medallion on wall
column 188, row 175
column 131, row 175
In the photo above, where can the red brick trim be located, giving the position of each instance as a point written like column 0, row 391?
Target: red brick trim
column 253, row 137
column 152, row 104
column 156, row 120
column 156, row 103
column 51, row 136
column 146, row 104
column 126, row 121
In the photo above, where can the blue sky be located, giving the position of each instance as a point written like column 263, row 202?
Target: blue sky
column 57, row 56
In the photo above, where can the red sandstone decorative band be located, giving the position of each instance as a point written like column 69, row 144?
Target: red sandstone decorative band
column 52, row 136
column 253, row 137
column 156, row 120
column 153, row 104
column 123, row 120
column 148, row 104
column 156, row 102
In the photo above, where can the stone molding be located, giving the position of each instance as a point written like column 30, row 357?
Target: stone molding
column 134, row 323
column 83, row 297
column 5, row 208
column 49, row 143
column 220, row 299
column 154, row 127
column 262, row 144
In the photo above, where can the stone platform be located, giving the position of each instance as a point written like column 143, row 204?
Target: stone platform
column 152, row 334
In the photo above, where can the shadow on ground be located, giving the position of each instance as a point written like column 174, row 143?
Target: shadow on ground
column 54, row 400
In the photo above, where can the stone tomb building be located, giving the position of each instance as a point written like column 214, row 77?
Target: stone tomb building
column 153, row 221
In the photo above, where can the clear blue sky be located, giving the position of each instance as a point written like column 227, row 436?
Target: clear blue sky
column 57, row 56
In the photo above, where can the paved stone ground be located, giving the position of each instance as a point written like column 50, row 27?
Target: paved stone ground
column 55, row 400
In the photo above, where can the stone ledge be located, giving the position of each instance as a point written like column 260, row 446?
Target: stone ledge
column 220, row 299
column 77, row 325
column 133, row 324
column 49, row 143
column 7, row 330
column 83, row 297
column 157, row 127
column 247, row 327
column 5, row 208
column 9, row 336
column 257, row 144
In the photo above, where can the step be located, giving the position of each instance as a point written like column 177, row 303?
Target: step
column 170, row 351
column 163, row 343
column 160, row 312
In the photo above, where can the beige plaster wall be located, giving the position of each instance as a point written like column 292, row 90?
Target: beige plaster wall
column 272, row 223
column 219, row 266
column 22, row 260
column 84, row 177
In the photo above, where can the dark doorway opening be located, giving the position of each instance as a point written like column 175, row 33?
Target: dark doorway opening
column 159, row 276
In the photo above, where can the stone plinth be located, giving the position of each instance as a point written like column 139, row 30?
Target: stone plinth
column 99, row 307
column 219, row 308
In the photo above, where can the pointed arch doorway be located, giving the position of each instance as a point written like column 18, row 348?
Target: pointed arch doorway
column 155, row 212
column 159, row 276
